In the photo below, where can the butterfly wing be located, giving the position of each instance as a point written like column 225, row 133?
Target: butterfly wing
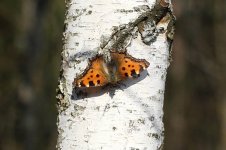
column 93, row 75
column 129, row 66
column 99, row 74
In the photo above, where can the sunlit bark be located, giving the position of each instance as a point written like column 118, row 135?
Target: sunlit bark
column 128, row 116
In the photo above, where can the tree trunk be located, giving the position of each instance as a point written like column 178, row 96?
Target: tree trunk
column 128, row 115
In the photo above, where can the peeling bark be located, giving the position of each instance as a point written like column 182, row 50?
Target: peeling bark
column 128, row 116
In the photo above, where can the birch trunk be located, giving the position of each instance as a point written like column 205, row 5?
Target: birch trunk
column 128, row 116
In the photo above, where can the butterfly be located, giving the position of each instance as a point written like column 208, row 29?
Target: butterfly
column 100, row 73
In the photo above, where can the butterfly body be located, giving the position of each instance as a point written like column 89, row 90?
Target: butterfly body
column 111, row 72
column 100, row 72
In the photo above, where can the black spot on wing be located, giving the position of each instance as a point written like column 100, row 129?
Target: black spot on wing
column 98, row 81
column 134, row 74
column 91, row 83
column 82, row 84
column 126, row 74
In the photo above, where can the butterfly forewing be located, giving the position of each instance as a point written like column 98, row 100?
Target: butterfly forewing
column 130, row 66
column 93, row 76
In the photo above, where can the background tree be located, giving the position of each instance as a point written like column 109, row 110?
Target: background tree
column 127, row 116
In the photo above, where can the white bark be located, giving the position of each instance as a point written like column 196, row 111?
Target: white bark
column 132, row 118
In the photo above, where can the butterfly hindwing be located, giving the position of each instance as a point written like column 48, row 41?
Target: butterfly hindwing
column 93, row 75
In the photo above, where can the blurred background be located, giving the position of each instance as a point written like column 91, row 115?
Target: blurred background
column 30, row 46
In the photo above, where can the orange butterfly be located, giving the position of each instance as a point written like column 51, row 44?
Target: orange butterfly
column 100, row 73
